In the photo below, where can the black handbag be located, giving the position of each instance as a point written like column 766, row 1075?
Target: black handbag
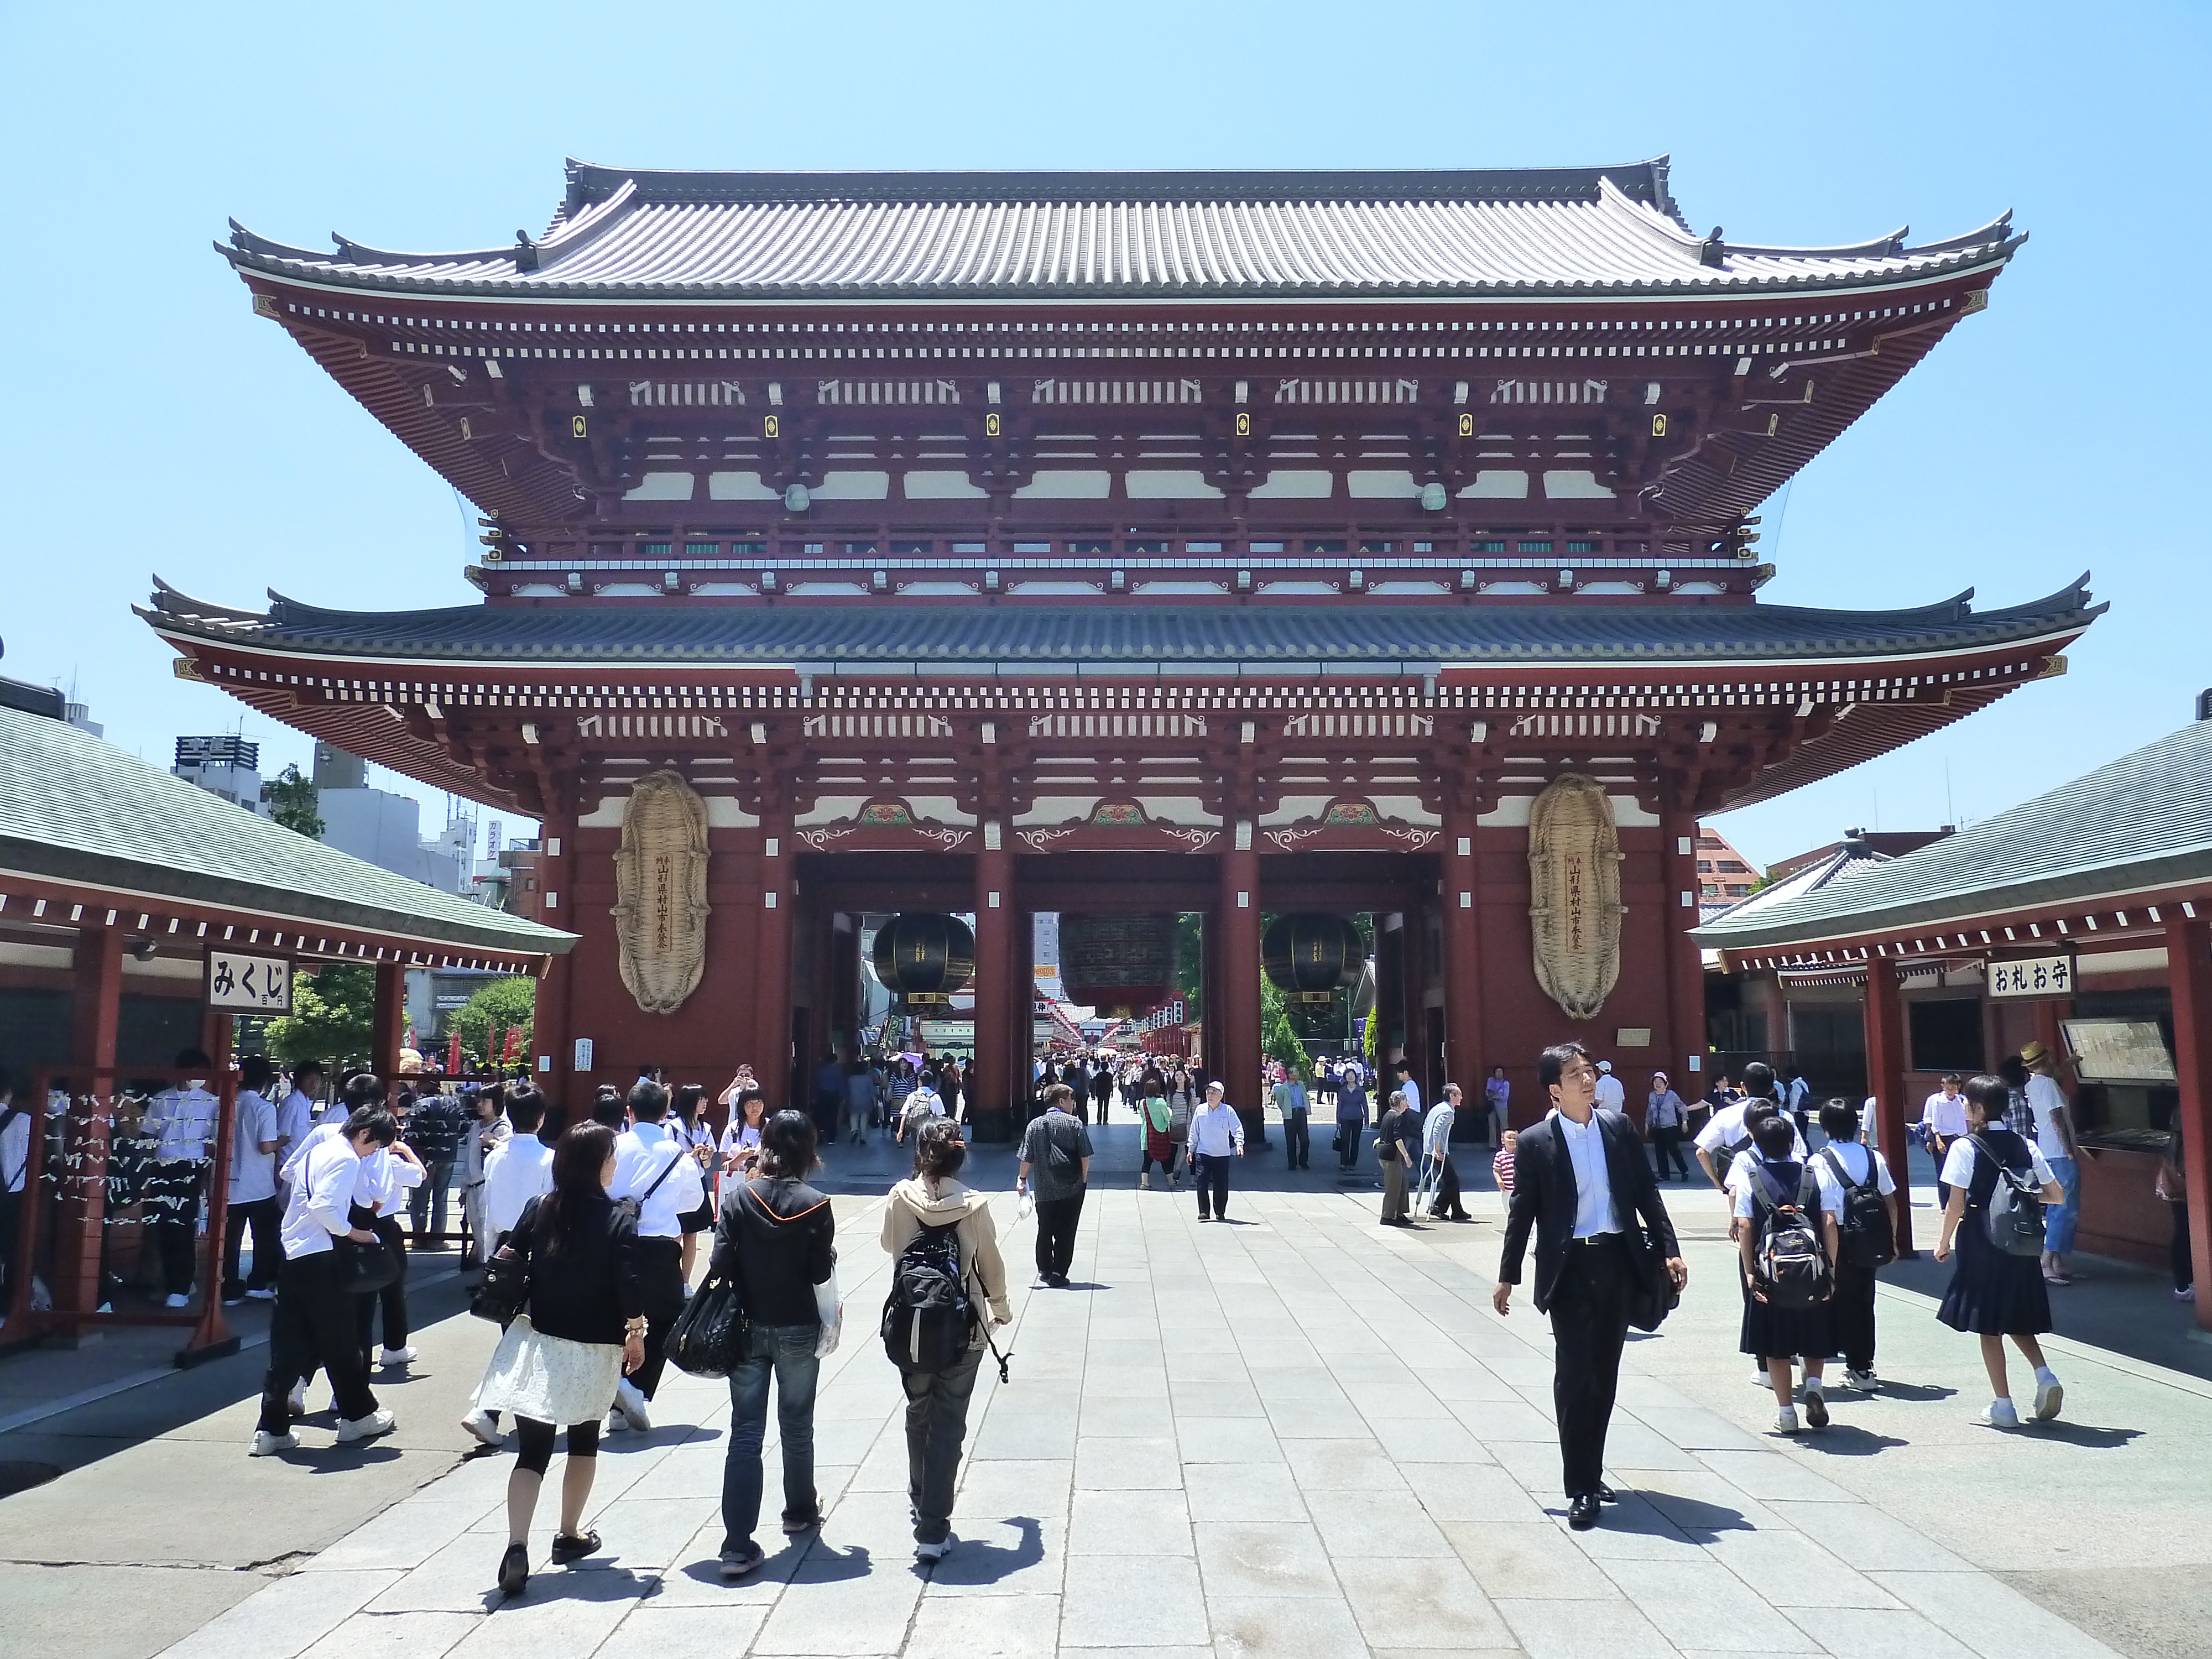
column 365, row 1269
column 709, row 1337
column 504, row 1288
column 1654, row 1296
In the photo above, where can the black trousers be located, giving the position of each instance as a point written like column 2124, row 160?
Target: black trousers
column 660, row 1270
column 173, row 1204
column 11, row 1205
column 1854, row 1314
column 313, row 1325
column 2178, row 1252
column 392, row 1298
column 1297, row 1145
column 1347, row 1143
column 1211, row 1179
column 1056, row 1219
column 265, row 1216
column 1447, row 1201
column 1666, row 1147
column 1590, row 1326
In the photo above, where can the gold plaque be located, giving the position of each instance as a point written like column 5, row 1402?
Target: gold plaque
column 1658, row 425
column 990, row 424
column 577, row 427
column 771, row 426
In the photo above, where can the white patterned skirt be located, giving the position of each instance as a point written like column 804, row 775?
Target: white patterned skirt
column 549, row 1379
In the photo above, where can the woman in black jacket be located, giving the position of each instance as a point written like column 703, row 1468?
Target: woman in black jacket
column 777, row 1238
column 581, row 1326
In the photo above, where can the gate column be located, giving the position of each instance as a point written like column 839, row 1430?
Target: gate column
column 1463, row 909
column 1885, row 1047
column 1235, row 1000
column 2189, row 971
column 995, row 915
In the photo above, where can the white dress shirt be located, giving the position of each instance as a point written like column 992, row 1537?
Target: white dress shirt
column 1412, row 1091
column 2048, row 1102
column 180, row 1122
column 252, row 1171
column 1216, row 1131
column 1594, row 1210
column 1725, row 1129
column 322, row 1197
column 641, row 1154
column 519, row 1170
column 382, row 1178
column 14, row 1149
column 1946, row 1116
column 1854, row 1158
column 293, row 1119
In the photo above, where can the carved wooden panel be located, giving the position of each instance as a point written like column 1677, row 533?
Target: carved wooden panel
column 1575, row 908
column 660, row 892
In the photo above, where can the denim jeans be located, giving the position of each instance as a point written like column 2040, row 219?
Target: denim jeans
column 936, row 1425
column 427, row 1203
column 788, row 1351
column 2062, row 1218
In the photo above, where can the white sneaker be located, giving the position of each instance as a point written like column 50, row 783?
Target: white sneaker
column 2048, row 1397
column 929, row 1554
column 352, row 1429
column 1145, row 1181
column 479, row 1422
column 1759, row 1379
column 1864, row 1382
column 178, row 1302
column 616, row 1424
column 631, row 1404
column 394, row 1356
column 261, row 1295
column 1999, row 1414
column 297, row 1401
column 1816, row 1406
column 266, row 1445
column 1785, row 1420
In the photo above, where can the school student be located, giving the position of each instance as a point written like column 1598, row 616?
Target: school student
column 252, row 1187
column 1845, row 1167
column 654, row 1167
column 1994, row 1293
column 1786, row 1234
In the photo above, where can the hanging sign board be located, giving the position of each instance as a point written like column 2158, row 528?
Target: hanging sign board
column 2032, row 976
column 2118, row 1050
column 237, row 983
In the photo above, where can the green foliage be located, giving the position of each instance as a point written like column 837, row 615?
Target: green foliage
column 506, row 1003
column 332, row 1017
column 293, row 800
column 1190, row 963
column 1279, row 1041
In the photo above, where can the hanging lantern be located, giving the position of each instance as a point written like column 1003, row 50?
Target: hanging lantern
column 1310, row 955
column 1120, row 965
column 925, row 958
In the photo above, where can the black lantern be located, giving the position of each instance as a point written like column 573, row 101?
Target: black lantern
column 925, row 958
column 1310, row 955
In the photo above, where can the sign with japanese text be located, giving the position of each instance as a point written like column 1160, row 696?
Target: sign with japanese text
column 240, row 984
column 2032, row 976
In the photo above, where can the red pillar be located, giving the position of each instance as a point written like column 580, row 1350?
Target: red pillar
column 988, row 1084
column 1462, row 910
column 1235, row 999
column 772, row 1004
column 211, row 1338
column 1686, row 970
column 97, row 972
column 388, row 1024
column 1885, row 1050
column 551, row 1050
column 2189, row 970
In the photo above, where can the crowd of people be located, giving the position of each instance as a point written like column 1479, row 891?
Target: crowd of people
column 600, row 1221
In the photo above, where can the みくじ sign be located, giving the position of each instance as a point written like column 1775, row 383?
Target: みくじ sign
column 237, row 983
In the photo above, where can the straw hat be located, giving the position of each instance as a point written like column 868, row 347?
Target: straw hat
column 2032, row 1052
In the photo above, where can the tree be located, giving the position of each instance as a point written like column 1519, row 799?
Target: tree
column 1280, row 1042
column 293, row 800
column 506, row 1003
column 332, row 1019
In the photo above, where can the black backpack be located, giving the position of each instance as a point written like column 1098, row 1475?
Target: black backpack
column 1786, row 1254
column 928, row 1321
column 1864, row 1231
column 2013, row 1219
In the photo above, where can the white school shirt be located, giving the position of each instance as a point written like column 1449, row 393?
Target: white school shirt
column 252, row 1171
column 1853, row 1157
column 1412, row 1091
column 181, row 1122
column 1831, row 1196
column 382, row 1178
column 1958, row 1162
column 519, row 1170
column 15, row 1150
column 1947, row 1118
column 322, row 1197
column 2047, row 1099
column 641, row 1152
column 1725, row 1128
column 1216, row 1131
column 295, row 1117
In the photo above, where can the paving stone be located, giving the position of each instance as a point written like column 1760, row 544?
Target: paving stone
column 1243, row 1492
column 1701, row 1604
column 1362, row 1523
column 1247, row 1627
column 1125, row 1465
column 982, row 1627
column 1790, row 1571
column 1107, row 1604
column 1146, row 1522
column 1583, row 1629
column 1526, row 1560
column 405, row 1535
column 700, row 1632
column 1403, row 1603
column 1262, row 1558
column 395, row 1635
column 1471, row 1491
column 1771, row 1475
column 1018, row 1555
column 1211, row 1439
column 1886, row 1633
column 558, row 1612
column 287, row 1618
column 851, row 1602
column 1342, row 1466
column 1868, row 1539
column 1989, row 1616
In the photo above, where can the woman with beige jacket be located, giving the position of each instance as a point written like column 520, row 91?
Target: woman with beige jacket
column 936, row 1401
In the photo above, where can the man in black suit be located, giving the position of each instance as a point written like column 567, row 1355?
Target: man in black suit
column 1582, row 1180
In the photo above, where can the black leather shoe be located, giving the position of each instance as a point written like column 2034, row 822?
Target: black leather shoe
column 1582, row 1512
column 1605, row 1494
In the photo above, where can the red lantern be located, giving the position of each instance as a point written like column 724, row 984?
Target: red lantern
column 1118, row 963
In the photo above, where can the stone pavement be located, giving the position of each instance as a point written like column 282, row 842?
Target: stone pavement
column 1304, row 1434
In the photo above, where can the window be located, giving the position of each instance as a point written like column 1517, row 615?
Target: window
column 1946, row 1033
column 1705, row 867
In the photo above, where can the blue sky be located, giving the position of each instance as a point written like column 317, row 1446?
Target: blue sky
column 155, row 425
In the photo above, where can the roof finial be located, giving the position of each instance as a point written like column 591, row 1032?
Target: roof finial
column 1711, row 250
column 526, row 251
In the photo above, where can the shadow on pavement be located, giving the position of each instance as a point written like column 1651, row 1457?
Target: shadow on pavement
column 977, row 1564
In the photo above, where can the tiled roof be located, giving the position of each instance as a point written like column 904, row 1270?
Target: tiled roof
column 1127, row 638
column 953, row 236
column 2143, row 821
column 76, row 809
